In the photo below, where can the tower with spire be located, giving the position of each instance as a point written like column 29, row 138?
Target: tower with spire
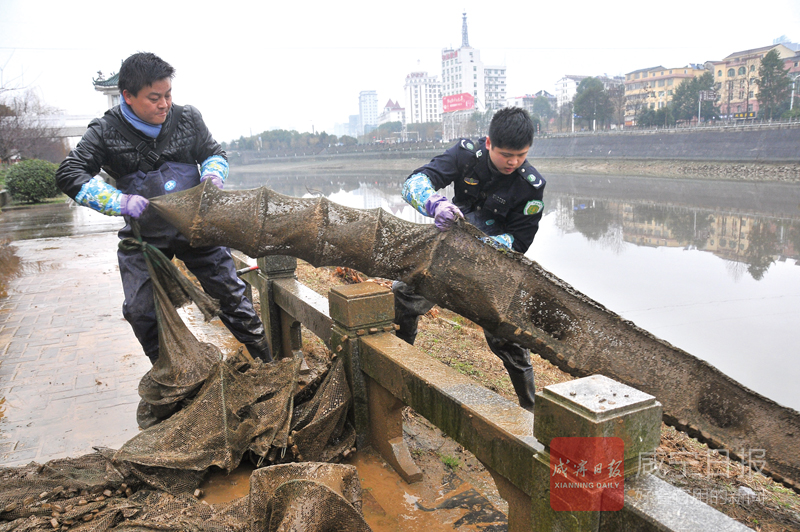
column 464, row 34
column 467, row 84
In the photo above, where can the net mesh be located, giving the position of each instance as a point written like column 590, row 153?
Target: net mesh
column 200, row 412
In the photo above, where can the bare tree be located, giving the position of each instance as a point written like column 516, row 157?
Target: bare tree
column 616, row 96
column 24, row 130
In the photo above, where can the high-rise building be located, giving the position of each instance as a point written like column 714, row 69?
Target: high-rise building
column 354, row 122
column 495, row 84
column 463, row 71
column 423, row 94
column 368, row 111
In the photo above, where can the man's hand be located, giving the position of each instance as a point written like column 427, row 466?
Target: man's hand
column 444, row 213
column 133, row 205
column 214, row 179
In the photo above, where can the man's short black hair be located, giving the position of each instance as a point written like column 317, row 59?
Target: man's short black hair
column 142, row 69
column 511, row 128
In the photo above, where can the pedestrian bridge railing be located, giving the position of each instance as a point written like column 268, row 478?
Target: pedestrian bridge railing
column 531, row 457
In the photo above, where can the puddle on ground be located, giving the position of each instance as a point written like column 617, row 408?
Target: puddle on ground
column 392, row 505
column 9, row 266
column 37, row 267
column 389, row 504
column 220, row 487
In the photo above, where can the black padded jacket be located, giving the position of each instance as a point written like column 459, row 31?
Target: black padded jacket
column 103, row 147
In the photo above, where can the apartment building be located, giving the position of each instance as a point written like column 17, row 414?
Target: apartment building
column 735, row 78
column 423, row 97
column 653, row 88
column 367, row 111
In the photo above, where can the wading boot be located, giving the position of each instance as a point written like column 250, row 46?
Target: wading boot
column 523, row 386
column 260, row 350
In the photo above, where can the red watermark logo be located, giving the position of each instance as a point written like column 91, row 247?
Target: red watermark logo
column 587, row 474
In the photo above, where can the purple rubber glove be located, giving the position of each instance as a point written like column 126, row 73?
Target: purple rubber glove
column 133, row 205
column 444, row 213
column 214, row 179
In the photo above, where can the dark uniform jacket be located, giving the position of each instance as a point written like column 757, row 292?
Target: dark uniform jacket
column 491, row 201
column 102, row 146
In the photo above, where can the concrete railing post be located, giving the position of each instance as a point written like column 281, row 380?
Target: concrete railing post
column 282, row 332
column 591, row 425
column 357, row 311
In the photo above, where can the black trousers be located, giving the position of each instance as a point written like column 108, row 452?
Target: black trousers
column 213, row 267
column 409, row 306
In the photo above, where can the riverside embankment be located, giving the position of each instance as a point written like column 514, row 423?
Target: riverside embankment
column 764, row 152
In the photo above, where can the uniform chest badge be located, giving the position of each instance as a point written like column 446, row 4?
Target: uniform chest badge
column 471, row 181
column 533, row 207
column 170, row 185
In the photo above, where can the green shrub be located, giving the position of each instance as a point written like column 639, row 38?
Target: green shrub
column 32, row 181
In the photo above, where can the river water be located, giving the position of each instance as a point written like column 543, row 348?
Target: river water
column 712, row 267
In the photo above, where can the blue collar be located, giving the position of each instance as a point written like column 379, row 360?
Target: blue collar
column 148, row 129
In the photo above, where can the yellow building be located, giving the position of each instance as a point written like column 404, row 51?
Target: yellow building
column 653, row 88
column 735, row 78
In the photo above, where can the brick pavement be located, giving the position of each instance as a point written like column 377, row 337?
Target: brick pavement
column 69, row 363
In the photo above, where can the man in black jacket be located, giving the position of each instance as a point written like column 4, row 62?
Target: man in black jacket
column 498, row 191
column 151, row 148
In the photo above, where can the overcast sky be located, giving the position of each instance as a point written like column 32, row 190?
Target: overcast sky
column 253, row 66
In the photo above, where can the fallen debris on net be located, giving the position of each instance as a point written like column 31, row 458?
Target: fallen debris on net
column 201, row 412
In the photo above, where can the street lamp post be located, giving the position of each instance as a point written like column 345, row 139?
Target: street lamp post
column 791, row 100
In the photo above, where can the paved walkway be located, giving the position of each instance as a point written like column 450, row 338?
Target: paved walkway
column 69, row 363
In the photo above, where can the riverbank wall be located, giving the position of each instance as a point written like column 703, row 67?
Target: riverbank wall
column 764, row 152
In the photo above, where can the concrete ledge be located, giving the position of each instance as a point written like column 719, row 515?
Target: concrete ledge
column 498, row 432
column 305, row 305
column 654, row 505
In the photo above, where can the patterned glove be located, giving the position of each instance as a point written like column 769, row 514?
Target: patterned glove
column 504, row 241
column 214, row 179
column 444, row 213
column 133, row 205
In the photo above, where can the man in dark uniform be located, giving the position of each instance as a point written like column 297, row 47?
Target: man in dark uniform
column 497, row 191
column 151, row 148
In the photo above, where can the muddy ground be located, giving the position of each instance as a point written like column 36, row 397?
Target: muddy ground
column 743, row 494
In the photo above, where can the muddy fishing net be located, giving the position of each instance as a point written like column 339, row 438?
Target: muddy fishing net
column 93, row 494
column 200, row 412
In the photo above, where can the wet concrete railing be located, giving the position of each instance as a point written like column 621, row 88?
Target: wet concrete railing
column 537, row 460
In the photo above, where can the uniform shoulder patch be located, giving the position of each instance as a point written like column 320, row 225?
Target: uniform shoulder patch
column 533, row 207
column 467, row 145
column 531, row 176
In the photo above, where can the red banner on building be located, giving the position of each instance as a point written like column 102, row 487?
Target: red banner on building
column 458, row 102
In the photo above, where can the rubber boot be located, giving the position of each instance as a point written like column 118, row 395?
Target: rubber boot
column 524, row 387
column 260, row 350
column 153, row 356
column 407, row 327
column 408, row 307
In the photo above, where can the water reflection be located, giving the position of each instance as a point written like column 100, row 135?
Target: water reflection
column 754, row 241
column 54, row 220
